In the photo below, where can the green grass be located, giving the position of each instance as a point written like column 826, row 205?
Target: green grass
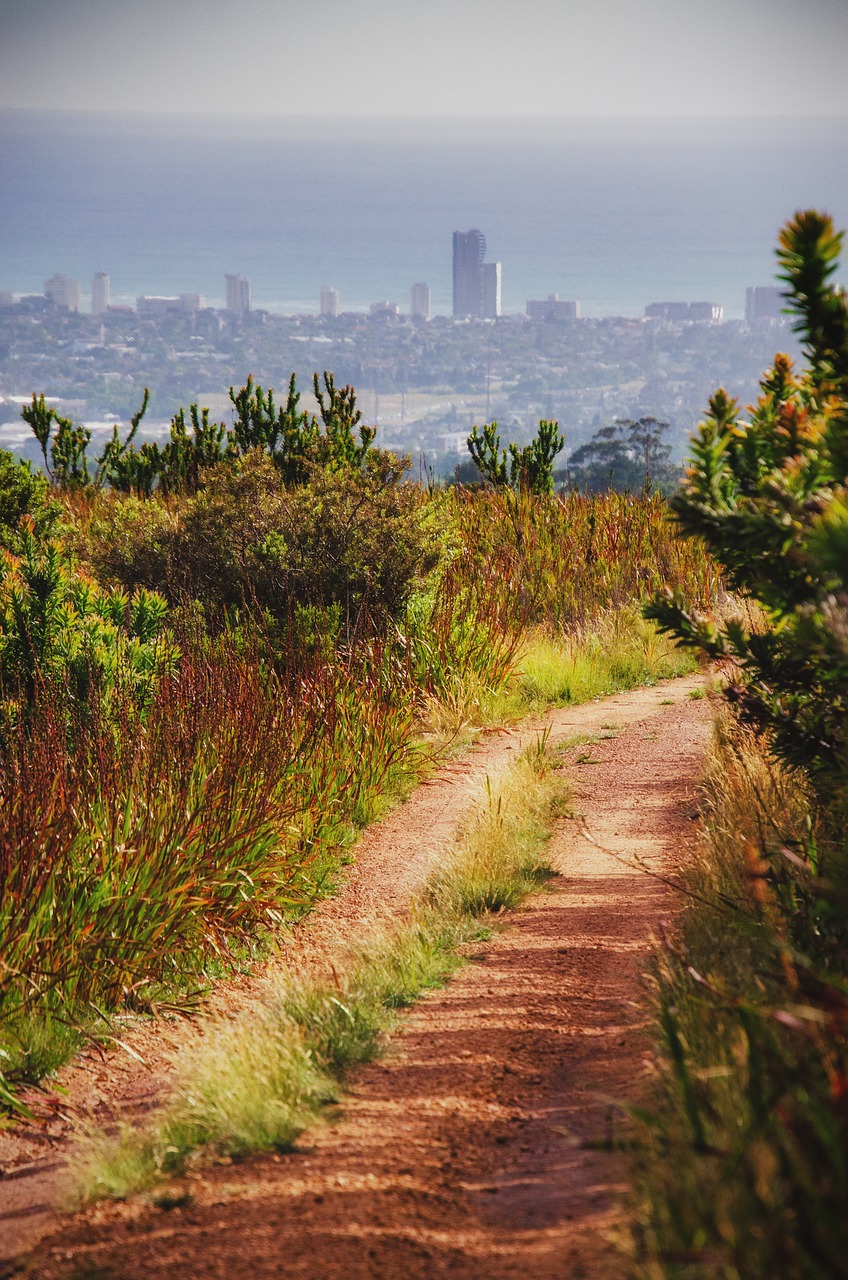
column 616, row 652
column 255, row 1082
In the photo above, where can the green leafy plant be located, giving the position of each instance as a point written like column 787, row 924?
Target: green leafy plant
column 68, row 444
column 356, row 539
column 530, row 470
column 22, row 493
column 298, row 443
column 59, row 627
column 768, row 497
column 744, row 1172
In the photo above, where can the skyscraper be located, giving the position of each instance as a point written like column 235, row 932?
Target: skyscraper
column 329, row 301
column 99, row 294
column 491, row 290
column 476, row 284
column 64, row 291
column 469, row 250
column 764, row 302
column 238, row 294
column 420, row 309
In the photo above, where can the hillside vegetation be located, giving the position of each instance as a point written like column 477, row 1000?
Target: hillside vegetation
column 220, row 655
column 743, row 1173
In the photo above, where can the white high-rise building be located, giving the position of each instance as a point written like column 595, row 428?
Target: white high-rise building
column 420, row 309
column 64, row 291
column 238, row 294
column 99, row 293
column 491, row 290
column 329, row 301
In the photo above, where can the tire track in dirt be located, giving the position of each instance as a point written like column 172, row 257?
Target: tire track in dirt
column 464, row 1151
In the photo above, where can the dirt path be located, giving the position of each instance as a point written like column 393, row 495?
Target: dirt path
column 461, row 1152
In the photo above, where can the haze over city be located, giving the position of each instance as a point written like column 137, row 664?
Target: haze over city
column 400, row 57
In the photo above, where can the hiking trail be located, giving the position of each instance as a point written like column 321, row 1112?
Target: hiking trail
column 474, row 1147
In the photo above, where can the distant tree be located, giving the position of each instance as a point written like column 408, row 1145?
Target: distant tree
column 628, row 456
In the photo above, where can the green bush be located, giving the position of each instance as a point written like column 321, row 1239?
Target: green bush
column 768, row 496
column 356, row 541
column 745, row 1173
column 59, row 630
column 22, row 493
column 299, row 444
column 530, row 470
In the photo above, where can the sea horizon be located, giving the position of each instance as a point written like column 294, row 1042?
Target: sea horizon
column 617, row 212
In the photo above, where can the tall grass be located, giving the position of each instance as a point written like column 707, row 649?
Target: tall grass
column 537, row 603
column 561, row 561
column 742, row 1172
column 163, row 844
column 134, row 859
column 254, row 1083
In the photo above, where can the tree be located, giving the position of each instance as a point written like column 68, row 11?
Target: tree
column 769, row 497
column 628, row 456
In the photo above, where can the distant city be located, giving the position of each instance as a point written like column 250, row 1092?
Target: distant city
column 423, row 379
column 477, row 288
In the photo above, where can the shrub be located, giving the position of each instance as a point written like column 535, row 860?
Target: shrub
column 22, row 493
column 59, row 629
column 530, row 470
column 356, row 540
column 746, row 1173
column 768, row 497
column 299, row 444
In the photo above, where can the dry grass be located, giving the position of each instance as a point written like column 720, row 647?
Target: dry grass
column 742, row 1174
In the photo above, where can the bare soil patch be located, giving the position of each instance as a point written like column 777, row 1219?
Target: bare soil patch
column 464, row 1151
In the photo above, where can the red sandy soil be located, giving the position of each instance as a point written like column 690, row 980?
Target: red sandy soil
column 466, row 1150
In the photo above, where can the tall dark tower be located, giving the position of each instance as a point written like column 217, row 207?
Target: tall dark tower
column 469, row 250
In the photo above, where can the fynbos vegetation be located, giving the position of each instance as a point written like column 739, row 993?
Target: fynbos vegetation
column 218, row 654
column 746, row 1175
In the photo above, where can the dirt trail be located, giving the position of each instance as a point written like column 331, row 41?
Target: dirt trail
column 463, row 1151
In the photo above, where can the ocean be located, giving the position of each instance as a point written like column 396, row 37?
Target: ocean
column 618, row 213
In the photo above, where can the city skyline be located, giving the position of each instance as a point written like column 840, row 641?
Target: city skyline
column 476, row 283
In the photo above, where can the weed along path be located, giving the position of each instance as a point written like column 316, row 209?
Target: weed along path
column 474, row 1147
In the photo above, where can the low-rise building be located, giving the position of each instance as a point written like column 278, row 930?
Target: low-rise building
column 554, row 308
column 383, row 309
column 158, row 305
column 710, row 311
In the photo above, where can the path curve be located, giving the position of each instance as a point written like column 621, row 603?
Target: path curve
column 461, row 1152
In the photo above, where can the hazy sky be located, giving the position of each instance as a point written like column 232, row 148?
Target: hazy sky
column 427, row 57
